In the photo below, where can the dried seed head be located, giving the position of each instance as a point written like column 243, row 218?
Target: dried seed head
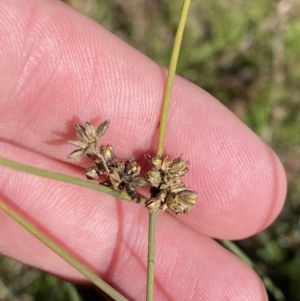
column 78, row 153
column 159, row 164
column 154, row 177
column 178, row 166
column 131, row 190
column 80, row 132
column 153, row 205
column 157, row 204
column 124, row 176
column 172, row 201
column 171, row 182
column 179, row 188
column 181, row 202
column 107, row 153
column 92, row 173
column 161, row 196
column 188, row 197
column 102, row 128
column 155, row 161
column 120, row 166
column 90, row 132
column 139, row 182
column 168, row 191
column 98, row 164
column 88, row 139
column 115, row 179
column 132, row 168
column 78, row 143
column 166, row 165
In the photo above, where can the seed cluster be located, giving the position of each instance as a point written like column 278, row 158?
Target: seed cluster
column 167, row 189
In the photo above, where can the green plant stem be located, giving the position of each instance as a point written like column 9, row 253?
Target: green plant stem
column 151, row 255
column 65, row 178
column 161, row 142
column 170, row 80
column 237, row 251
column 275, row 291
column 62, row 253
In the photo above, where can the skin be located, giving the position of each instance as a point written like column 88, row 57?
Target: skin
column 59, row 68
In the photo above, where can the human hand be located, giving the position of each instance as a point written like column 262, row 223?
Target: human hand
column 59, row 68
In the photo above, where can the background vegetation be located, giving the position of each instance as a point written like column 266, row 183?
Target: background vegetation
column 246, row 54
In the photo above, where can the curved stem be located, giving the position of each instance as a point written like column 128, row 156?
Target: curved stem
column 66, row 178
column 62, row 253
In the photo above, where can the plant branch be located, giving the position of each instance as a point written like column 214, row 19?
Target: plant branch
column 151, row 256
column 170, row 80
column 62, row 253
column 65, row 178
column 161, row 141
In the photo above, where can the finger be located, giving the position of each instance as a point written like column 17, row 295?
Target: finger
column 109, row 237
column 60, row 76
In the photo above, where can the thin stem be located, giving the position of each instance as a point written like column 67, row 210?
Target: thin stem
column 66, row 178
column 237, row 251
column 104, row 163
column 170, row 80
column 271, row 287
column 161, row 140
column 102, row 159
column 151, row 255
column 62, row 253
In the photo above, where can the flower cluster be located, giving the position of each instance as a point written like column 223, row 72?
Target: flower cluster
column 122, row 175
column 167, row 189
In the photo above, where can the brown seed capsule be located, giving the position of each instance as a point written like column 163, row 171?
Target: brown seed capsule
column 132, row 168
column 131, row 190
column 155, row 161
column 153, row 205
column 159, row 164
column 88, row 139
column 78, row 153
column 171, row 182
column 181, row 202
column 120, row 166
column 124, row 176
column 115, row 179
column 166, row 165
column 168, row 191
column 157, row 204
column 153, row 176
column 102, row 128
column 178, row 166
column 188, row 197
column 172, row 201
column 107, row 153
column 90, row 132
column 92, row 173
column 80, row 132
column 139, row 181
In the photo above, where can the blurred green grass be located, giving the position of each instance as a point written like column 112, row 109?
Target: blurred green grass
column 246, row 54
